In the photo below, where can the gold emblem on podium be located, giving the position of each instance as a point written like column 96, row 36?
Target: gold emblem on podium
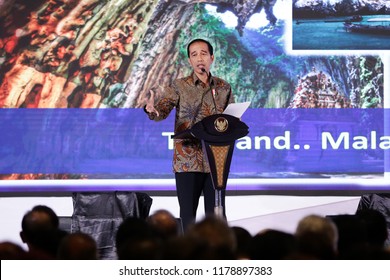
column 221, row 124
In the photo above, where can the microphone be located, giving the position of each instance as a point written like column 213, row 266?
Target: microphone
column 208, row 74
column 212, row 90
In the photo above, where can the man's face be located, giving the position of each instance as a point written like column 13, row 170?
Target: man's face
column 200, row 57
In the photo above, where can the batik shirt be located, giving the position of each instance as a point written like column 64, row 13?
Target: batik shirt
column 193, row 101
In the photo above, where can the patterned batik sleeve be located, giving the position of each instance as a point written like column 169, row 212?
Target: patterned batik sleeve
column 165, row 104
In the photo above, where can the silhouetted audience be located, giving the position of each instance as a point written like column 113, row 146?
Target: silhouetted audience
column 216, row 235
column 317, row 238
column 243, row 240
column 78, row 246
column 362, row 236
column 164, row 223
column 41, row 233
column 135, row 239
column 351, row 241
column 12, row 251
column 272, row 245
column 359, row 236
column 184, row 247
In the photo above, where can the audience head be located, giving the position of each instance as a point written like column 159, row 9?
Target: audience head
column 39, row 218
column 351, row 235
column 12, row 251
column 243, row 240
column 317, row 237
column 135, row 239
column 41, row 233
column 184, row 247
column 164, row 223
column 78, row 246
column 217, row 236
column 272, row 245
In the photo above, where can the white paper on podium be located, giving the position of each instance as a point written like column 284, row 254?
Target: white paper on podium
column 236, row 109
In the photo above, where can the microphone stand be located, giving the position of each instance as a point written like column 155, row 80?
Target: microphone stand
column 218, row 208
column 211, row 88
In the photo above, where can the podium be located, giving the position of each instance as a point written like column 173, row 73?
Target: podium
column 218, row 134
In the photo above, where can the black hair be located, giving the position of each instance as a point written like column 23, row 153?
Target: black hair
column 211, row 50
column 28, row 224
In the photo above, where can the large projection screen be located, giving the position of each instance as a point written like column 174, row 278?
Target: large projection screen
column 74, row 75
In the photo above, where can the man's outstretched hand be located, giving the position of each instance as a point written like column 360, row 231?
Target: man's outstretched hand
column 149, row 103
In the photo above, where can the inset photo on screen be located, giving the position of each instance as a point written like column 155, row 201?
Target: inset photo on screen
column 340, row 25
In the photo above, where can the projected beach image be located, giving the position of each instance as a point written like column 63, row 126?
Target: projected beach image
column 341, row 25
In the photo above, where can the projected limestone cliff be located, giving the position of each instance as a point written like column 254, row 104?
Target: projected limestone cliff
column 81, row 53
